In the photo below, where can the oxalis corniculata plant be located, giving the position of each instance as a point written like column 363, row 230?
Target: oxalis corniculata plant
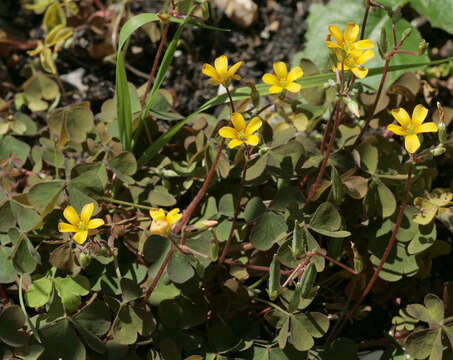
column 240, row 244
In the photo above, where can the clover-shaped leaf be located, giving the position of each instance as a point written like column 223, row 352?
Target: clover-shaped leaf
column 428, row 342
column 327, row 221
column 11, row 319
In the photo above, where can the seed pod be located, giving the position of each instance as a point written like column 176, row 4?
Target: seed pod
column 337, row 192
column 274, row 278
column 205, row 10
column 255, row 95
column 442, row 134
column 297, row 243
column 358, row 263
column 308, row 279
column 382, row 44
column 295, row 299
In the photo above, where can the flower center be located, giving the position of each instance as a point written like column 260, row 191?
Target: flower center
column 242, row 135
column 284, row 83
column 411, row 129
column 82, row 226
column 348, row 46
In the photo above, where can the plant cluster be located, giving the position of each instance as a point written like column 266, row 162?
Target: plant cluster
column 259, row 227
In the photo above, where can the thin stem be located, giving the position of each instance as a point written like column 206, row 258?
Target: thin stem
column 158, row 275
column 236, row 211
column 347, row 268
column 407, row 52
column 315, row 185
column 193, row 205
column 383, row 259
column 373, row 109
column 125, row 203
column 326, row 130
column 276, row 307
column 365, row 18
column 156, row 61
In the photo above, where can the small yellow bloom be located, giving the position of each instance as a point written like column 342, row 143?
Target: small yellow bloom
column 220, row 73
column 241, row 133
column 82, row 226
column 354, row 62
column 410, row 127
column 282, row 79
column 162, row 223
column 348, row 42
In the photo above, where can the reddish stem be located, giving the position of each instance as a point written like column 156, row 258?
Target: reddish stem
column 158, row 275
column 315, row 185
column 347, row 268
column 156, row 61
column 254, row 267
column 383, row 259
column 236, row 211
column 326, row 130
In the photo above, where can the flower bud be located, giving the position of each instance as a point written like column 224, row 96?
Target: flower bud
column 438, row 150
column 406, row 34
column 422, row 46
column 159, row 227
column 84, row 260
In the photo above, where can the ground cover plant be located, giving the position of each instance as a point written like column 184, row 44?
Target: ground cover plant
column 302, row 210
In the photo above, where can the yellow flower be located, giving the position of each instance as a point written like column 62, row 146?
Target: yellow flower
column 354, row 62
column 220, row 74
column 348, row 42
column 82, row 226
column 162, row 223
column 411, row 127
column 282, row 79
column 241, row 133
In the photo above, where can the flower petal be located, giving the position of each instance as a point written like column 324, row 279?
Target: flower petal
column 412, row 143
column 275, row 89
column 238, row 121
column 398, row 130
column 336, row 33
column 331, row 44
column 228, row 132
column 221, row 64
column 71, row 215
column 280, row 70
column 402, row 117
column 364, row 44
column 419, row 115
column 270, row 79
column 235, row 142
column 366, row 56
column 64, row 227
column 293, row 87
column 360, row 72
column 253, row 125
column 351, row 31
column 157, row 214
column 235, row 68
column 427, row 127
column 173, row 216
column 252, row 140
column 215, row 82
column 86, row 213
column 295, row 74
column 95, row 223
column 209, row 70
column 81, row 237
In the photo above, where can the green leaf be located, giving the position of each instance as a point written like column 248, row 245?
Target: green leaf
column 369, row 157
column 179, row 269
column 8, row 273
column 269, row 229
column 11, row 146
column 326, row 217
column 131, row 321
column 25, row 257
column 339, row 12
column 38, row 293
column 71, row 123
column 182, row 313
column 71, row 289
column 422, row 343
column 62, row 257
column 61, row 342
column 254, row 209
column 90, row 339
column 160, row 196
column 300, row 336
column 11, row 319
column 43, row 196
column 130, row 289
column 95, row 318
